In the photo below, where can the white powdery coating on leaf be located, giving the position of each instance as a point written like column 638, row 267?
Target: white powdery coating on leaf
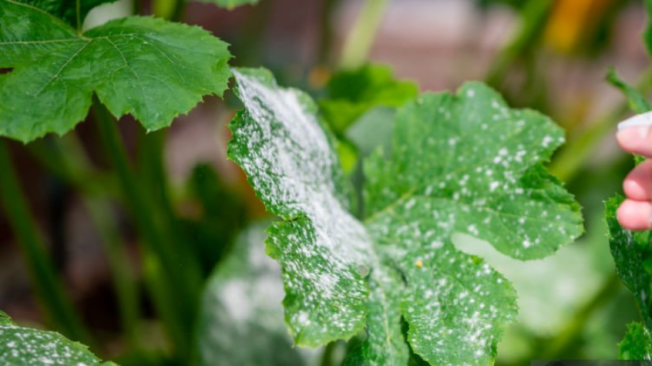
column 445, row 177
column 24, row 346
column 292, row 167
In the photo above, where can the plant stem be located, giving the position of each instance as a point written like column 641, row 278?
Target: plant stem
column 151, row 169
column 136, row 7
column 535, row 14
column 358, row 44
column 76, row 170
column 567, row 163
column 326, row 31
column 178, row 11
column 48, row 152
column 47, row 285
column 179, row 283
column 121, row 273
column 99, row 210
column 327, row 355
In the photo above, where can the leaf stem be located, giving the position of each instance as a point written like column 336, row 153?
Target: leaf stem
column 121, row 273
column 535, row 14
column 178, row 11
column 48, row 286
column 75, row 164
column 78, row 14
column 326, row 31
column 358, row 44
column 327, row 355
column 567, row 163
column 177, row 285
column 50, row 154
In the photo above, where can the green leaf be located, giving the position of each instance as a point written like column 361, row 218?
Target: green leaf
column 242, row 306
column 637, row 102
column 220, row 214
column 637, row 344
column 351, row 93
column 647, row 35
column 371, row 130
column 4, row 318
column 475, row 166
column 26, row 346
column 67, row 10
column 291, row 163
column 147, row 67
column 458, row 163
column 230, row 4
column 632, row 254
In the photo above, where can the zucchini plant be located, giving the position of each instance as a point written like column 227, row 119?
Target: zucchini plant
column 631, row 250
column 379, row 265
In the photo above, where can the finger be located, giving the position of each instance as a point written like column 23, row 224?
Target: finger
column 638, row 184
column 636, row 139
column 635, row 215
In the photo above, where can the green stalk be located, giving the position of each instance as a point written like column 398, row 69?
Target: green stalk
column 99, row 208
column 326, row 31
column 76, row 170
column 567, row 163
column 48, row 152
column 121, row 273
column 151, row 169
column 178, row 282
column 178, row 11
column 535, row 15
column 136, row 7
column 358, row 44
column 48, row 286
column 327, row 355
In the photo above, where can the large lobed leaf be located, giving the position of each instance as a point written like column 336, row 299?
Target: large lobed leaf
column 26, row 346
column 241, row 319
column 321, row 247
column 632, row 254
column 637, row 344
column 150, row 68
column 351, row 93
column 459, row 163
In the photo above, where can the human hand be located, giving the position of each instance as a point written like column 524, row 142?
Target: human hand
column 635, row 136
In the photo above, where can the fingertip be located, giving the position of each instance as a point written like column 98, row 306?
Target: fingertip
column 635, row 215
column 638, row 183
column 632, row 189
column 630, row 138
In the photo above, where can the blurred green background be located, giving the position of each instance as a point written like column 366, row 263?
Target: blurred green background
column 547, row 55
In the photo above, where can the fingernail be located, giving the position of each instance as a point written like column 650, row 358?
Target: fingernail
column 633, row 133
column 639, row 120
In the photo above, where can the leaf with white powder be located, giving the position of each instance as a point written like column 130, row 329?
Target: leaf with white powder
column 632, row 254
column 459, row 163
column 26, row 346
column 242, row 305
column 322, row 248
